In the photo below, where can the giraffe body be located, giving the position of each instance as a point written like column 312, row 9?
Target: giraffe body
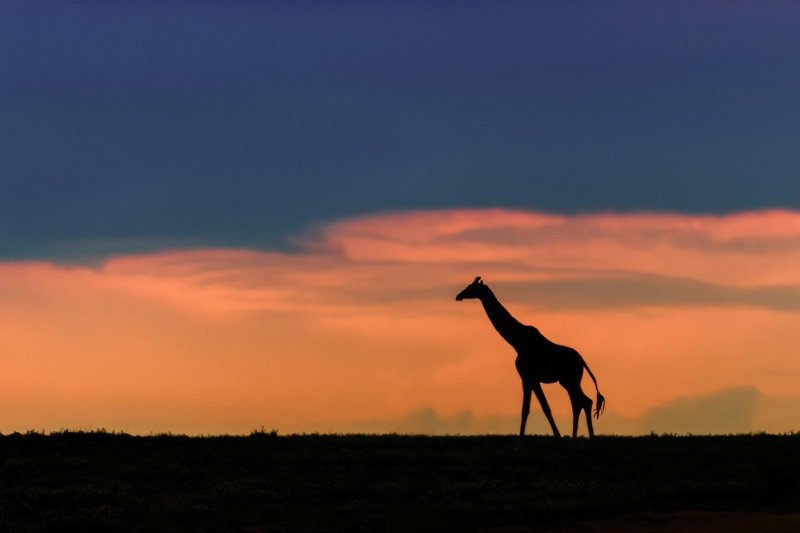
column 544, row 361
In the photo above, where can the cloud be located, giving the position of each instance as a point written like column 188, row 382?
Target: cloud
column 627, row 289
column 428, row 421
column 718, row 249
column 727, row 411
column 586, row 261
column 359, row 321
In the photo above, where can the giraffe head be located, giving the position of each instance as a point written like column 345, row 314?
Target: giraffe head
column 476, row 289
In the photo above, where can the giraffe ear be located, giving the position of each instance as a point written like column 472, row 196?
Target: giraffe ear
column 477, row 280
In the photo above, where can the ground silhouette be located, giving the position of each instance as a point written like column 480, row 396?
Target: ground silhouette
column 95, row 482
column 539, row 360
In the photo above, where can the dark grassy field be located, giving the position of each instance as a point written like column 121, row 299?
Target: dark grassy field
column 101, row 481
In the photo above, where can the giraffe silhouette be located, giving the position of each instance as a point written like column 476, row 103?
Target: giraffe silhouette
column 539, row 361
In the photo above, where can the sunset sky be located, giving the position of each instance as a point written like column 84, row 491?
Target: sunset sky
column 218, row 216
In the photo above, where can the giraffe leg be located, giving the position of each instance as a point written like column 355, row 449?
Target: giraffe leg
column 526, row 408
column 582, row 402
column 587, row 407
column 577, row 406
column 537, row 390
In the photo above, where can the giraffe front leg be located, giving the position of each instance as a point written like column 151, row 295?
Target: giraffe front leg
column 537, row 390
column 526, row 409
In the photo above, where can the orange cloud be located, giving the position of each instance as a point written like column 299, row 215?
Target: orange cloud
column 359, row 322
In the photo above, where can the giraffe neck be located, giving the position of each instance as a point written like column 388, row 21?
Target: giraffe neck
column 506, row 325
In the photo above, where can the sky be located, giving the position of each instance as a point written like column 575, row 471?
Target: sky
column 217, row 216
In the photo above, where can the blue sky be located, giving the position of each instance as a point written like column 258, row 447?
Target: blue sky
column 142, row 125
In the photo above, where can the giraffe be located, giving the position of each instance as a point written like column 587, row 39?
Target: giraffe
column 538, row 361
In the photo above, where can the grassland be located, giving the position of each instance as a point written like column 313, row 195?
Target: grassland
column 103, row 481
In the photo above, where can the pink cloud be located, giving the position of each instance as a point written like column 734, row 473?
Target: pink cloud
column 360, row 322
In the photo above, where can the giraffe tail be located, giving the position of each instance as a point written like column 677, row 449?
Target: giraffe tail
column 600, row 406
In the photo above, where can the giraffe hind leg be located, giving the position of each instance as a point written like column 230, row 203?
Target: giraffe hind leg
column 587, row 407
column 577, row 406
column 580, row 402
